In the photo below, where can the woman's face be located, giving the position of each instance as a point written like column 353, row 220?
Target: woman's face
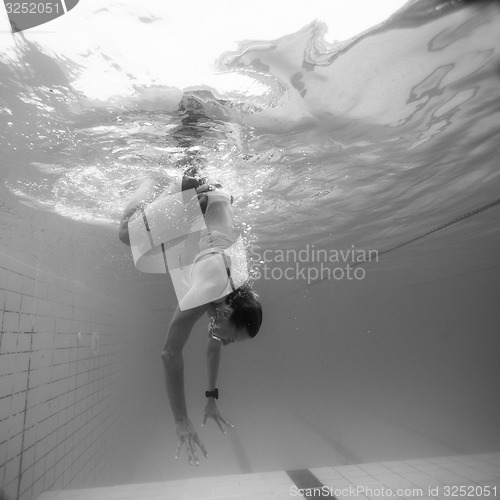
column 221, row 329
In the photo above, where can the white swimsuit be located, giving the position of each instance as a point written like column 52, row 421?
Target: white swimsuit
column 218, row 235
column 172, row 236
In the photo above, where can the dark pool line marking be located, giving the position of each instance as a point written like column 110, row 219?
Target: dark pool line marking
column 304, row 479
column 164, row 261
column 146, row 225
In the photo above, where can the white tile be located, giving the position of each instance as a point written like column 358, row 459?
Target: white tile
column 470, row 469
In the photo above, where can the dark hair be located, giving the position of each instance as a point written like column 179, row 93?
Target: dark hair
column 246, row 309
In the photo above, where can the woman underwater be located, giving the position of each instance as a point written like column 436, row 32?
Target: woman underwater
column 234, row 312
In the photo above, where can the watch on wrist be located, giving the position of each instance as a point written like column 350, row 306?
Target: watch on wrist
column 212, row 394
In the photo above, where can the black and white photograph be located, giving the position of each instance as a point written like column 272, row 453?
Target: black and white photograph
column 249, row 250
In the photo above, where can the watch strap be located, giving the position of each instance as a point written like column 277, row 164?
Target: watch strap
column 212, row 394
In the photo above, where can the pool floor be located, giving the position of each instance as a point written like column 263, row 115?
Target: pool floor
column 445, row 478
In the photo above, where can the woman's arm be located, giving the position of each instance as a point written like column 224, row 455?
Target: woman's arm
column 178, row 333
column 213, row 361
column 179, row 330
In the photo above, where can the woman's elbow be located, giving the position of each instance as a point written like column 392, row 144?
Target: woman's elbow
column 172, row 349
column 171, row 357
column 166, row 355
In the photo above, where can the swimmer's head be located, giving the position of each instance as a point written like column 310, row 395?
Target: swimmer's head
column 238, row 318
column 246, row 311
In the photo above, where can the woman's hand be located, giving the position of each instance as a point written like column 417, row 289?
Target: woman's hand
column 209, row 186
column 187, row 435
column 211, row 411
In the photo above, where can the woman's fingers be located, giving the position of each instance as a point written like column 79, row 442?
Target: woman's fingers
column 179, row 445
column 192, row 455
column 201, row 445
column 191, row 443
column 187, row 436
column 220, row 426
column 191, row 451
column 213, row 413
column 227, row 423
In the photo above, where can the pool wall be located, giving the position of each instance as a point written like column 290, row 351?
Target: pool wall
column 65, row 389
